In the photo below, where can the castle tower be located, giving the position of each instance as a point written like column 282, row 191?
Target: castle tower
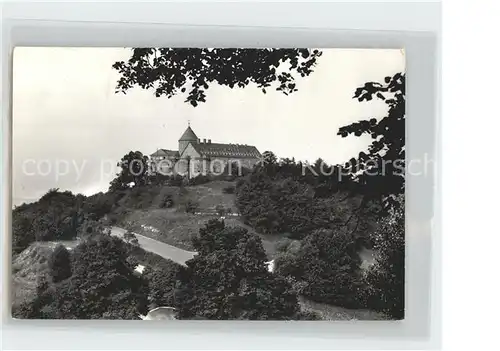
column 186, row 138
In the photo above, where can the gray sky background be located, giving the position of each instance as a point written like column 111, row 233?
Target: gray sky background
column 65, row 110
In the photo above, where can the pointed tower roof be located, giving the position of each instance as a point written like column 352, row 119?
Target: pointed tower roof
column 189, row 135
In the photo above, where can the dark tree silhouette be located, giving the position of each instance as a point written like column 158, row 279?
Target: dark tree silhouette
column 56, row 216
column 103, row 284
column 380, row 172
column 228, row 279
column 326, row 266
column 134, row 168
column 269, row 157
column 170, row 71
column 60, row 264
column 162, row 280
column 386, row 277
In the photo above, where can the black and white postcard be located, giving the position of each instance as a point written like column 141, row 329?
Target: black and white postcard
column 208, row 184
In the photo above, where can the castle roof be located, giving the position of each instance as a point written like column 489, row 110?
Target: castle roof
column 226, row 150
column 188, row 135
column 165, row 152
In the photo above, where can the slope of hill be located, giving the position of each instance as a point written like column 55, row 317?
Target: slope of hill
column 174, row 225
column 172, row 215
column 29, row 266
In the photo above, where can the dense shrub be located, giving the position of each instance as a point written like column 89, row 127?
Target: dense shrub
column 22, row 231
column 102, row 285
column 162, row 281
column 56, row 216
column 386, row 278
column 103, row 281
column 40, row 306
column 326, row 266
column 60, row 264
column 284, row 205
column 90, row 228
column 281, row 206
column 99, row 205
column 228, row 279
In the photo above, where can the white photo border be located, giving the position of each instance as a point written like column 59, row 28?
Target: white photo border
column 422, row 325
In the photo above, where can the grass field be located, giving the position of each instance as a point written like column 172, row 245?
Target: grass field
column 176, row 227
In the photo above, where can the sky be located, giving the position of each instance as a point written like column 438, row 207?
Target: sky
column 70, row 128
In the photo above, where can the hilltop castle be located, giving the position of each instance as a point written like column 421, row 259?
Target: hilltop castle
column 203, row 157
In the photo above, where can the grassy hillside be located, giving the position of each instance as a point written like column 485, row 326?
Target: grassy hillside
column 29, row 266
column 160, row 212
column 142, row 214
column 32, row 263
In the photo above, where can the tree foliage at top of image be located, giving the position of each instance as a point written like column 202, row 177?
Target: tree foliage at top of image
column 172, row 71
column 381, row 171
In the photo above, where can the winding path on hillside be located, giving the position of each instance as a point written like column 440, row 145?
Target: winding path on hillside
column 167, row 251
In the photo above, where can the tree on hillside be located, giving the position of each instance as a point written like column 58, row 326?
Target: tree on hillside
column 91, row 228
column 326, row 268
column 387, row 276
column 162, row 282
column 228, row 279
column 134, row 168
column 98, row 205
column 60, row 264
column 39, row 307
column 289, row 204
column 56, row 216
column 172, row 71
column 103, row 285
column 269, row 158
column 379, row 173
column 22, row 231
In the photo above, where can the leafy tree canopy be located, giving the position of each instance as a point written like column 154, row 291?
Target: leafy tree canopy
column 134, row 168
column 171, row 71
column 326, row 266
column 60, row 264
column 228, row 279
column 56, row 216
